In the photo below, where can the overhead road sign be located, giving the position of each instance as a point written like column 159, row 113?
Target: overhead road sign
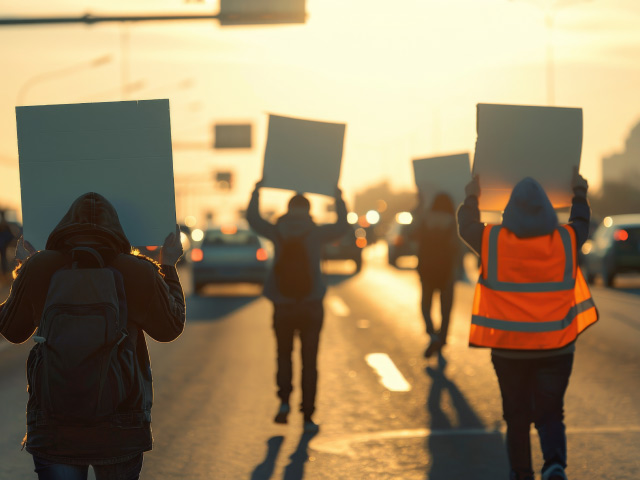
column 232, row 12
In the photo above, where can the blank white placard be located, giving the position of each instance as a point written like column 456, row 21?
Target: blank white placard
column 121, row 150
column 516, row 141
column 447, row 174
column 303, row 155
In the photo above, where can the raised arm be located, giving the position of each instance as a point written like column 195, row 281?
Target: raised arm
column 258, row 224
column 336, row 230
column 470, row 227
column 17, row 316
column 580, row 210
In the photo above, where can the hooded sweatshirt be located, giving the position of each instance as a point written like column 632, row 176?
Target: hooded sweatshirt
column 295, row 224
column 155, row 305
column 528, row 213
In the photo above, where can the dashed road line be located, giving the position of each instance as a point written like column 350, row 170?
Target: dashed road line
column 363, row 323
column 337, row 306
column 389, row 374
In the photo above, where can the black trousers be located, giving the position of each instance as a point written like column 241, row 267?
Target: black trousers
column 533, row 392
column 305, row 319
column 446, row 302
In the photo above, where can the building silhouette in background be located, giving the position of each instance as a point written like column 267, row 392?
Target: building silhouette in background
column 624, row 167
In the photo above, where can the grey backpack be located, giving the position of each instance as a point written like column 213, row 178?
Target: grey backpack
column 75, row 372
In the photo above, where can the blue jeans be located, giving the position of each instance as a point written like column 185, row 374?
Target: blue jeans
column 128, row 470
column 533, row 392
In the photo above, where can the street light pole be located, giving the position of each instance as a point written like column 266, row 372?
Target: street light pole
column 550, row 69
column 549, row 8
column 96, row 62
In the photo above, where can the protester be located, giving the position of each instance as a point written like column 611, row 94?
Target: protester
column 531, row 303
column 434, row 229
column 296, row 288
column 101, row 416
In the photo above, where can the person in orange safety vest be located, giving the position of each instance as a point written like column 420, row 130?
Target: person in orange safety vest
column 531, row 302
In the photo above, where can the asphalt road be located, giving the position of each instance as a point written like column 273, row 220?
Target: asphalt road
column 440, row 420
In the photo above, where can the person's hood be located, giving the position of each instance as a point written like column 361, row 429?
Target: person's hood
column 294, row 224
column 90, row 219
column 529, row 212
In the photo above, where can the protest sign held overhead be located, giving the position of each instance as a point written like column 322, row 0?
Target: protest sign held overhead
column 516, row 141
column 303, row 155
column 121, row 150
column 443, row 174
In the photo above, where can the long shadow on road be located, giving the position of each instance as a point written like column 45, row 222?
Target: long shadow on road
column 460, row 445
column 265, row 469
column 294, row 470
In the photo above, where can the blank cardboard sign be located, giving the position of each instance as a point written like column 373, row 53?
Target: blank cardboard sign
column 121, row 150
column 516, row 141
column 303, row 155
column 446, row 174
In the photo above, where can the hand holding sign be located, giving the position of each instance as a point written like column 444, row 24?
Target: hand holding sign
column 473, row 187
column 171, row 250
column 579, row 182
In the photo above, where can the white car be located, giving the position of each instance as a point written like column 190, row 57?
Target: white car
column 230, row 254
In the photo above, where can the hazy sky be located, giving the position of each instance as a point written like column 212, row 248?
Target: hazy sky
column 405, row 75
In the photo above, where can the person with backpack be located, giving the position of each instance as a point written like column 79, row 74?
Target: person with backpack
column 531, row 303
column 90, row 301
column 296, row 288
column 434, row 229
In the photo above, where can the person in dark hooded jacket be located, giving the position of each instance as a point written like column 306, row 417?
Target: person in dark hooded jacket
column 532, row 380
column 155, row 306
column 304, row 315
column 434, row 229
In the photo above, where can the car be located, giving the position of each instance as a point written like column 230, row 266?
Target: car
column 230, row 254
column 613, row 249
column 347, row 247
column 399, row 244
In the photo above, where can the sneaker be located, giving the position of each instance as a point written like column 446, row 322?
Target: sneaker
column 283, row 413
column 434, row 346
column 310, row 427
column 554, row 472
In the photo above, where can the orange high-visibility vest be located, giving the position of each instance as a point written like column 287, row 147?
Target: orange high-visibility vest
column 531, row 294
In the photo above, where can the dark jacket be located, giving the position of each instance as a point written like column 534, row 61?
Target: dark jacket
column 155, row 305
column 295, row 225
column 528, row 213
column 437, row 239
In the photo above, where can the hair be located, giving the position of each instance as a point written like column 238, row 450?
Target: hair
column 299, row 201
column 442, row 203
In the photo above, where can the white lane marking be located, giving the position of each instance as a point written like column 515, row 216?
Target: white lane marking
column 363, row 323
column 389, row 374
column 343, row 445
column 338, row 307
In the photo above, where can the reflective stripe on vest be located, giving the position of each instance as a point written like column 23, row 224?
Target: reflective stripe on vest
column 531, row 327
column 520, row 315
